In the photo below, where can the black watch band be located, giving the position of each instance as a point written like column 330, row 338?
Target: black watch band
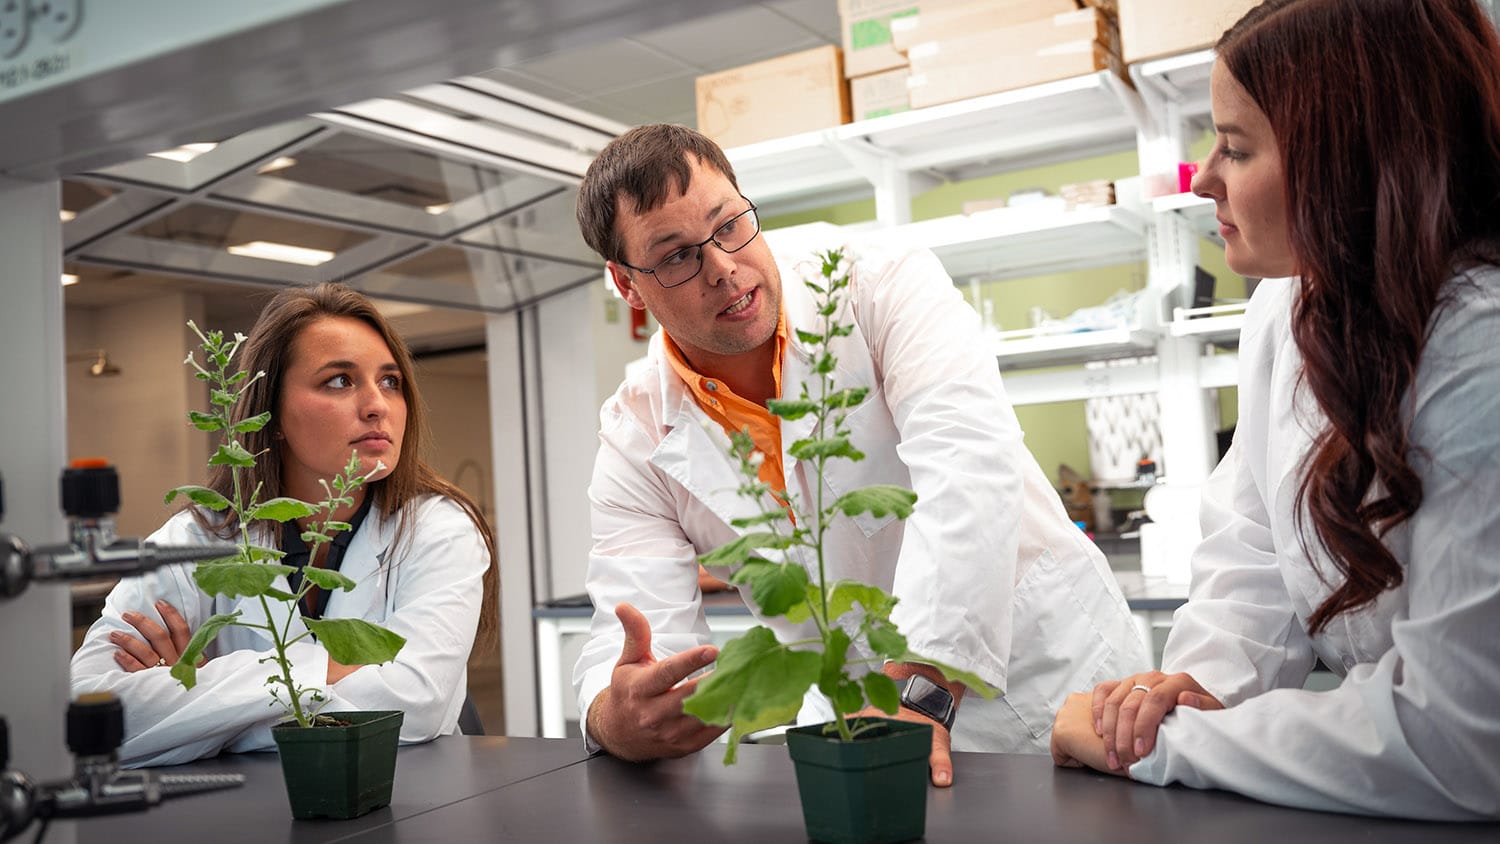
column 920, row 694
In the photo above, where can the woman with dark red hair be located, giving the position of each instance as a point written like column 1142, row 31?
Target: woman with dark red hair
column 1356, row 516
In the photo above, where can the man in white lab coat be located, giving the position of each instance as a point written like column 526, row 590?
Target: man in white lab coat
column 991, row 576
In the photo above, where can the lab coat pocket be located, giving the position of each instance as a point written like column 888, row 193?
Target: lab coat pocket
column 873, row 431
column 1056, row 647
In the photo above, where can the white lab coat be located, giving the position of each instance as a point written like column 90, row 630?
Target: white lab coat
column 991, row 575
column 1414, row 728
column 428, row 589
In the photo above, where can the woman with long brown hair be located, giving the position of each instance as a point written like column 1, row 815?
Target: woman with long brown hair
column 1354, row 518
column 337, row 379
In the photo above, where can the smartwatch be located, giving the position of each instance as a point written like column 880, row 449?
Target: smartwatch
column 920, row 694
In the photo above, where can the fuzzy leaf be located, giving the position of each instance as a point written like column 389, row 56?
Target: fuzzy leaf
column 739, row 549
column 801, row 612
column 200, row 495
column 809, row 337
column 885, row 639
column 258, row 553
column 222, row 398
column 791, row 408
column 879, row 501
column 186, row 669
column 848, row 398
column 836, row 650
column 757, row 683
column 238, row 376
column 845, row 593
column 848, row 696
column 237, row 580
column 769, row 517
column 233, row 454
column 205, row 421
column 810, row 449
column 327, row 578
column 354, row 641
column 254, row 423
column 882, row 692
column 968, row 678
column 776, row 587
column 282, row 510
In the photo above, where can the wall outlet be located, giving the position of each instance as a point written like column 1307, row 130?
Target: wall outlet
column 14, row 25
column 55, row 20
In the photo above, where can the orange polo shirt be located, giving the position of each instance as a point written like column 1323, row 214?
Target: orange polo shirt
column 735, row 413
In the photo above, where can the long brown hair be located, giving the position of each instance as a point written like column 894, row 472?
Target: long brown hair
column 269, row 350
column 1387, row 114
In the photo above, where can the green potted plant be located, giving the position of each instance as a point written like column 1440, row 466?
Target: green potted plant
column 341, row 764
column 859, row 778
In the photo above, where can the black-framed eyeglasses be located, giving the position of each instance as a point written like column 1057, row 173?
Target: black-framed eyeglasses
column 683, row 265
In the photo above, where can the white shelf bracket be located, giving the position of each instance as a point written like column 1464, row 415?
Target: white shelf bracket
column 893, row 186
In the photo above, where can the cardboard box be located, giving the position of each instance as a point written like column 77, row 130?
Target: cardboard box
column 1154, row 28
column 880, row 94
column 784, row 96
column 1016, row 56
column 936, row 23
column 867, row 32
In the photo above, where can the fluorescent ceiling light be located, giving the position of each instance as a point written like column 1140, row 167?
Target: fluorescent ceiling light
column 67, row 216
column 283, row 252
column 439, row 208
column 184, row 153
column 69, row 278
column 279, row 163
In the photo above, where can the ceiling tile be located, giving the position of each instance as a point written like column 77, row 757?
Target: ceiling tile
column 612, row 64
column 656, row 101
column 614, row 111
column 820, row 16
column 527, row 82
column 729, row 39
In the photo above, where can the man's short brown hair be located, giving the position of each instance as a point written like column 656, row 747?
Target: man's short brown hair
column 645, row 164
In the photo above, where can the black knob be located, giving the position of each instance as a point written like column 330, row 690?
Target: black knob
column 90, row 491
column 96, row 724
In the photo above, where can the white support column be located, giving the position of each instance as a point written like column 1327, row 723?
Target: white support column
column 882, row 170
column 34, row 627
column 512, row 457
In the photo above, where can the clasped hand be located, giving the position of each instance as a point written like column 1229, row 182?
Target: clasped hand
column 156, row 645
column 1115, row 726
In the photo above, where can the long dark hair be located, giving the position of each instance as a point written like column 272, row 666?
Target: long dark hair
column 1387, row 114
column 269, row 350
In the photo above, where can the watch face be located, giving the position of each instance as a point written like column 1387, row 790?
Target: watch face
column 928, row 698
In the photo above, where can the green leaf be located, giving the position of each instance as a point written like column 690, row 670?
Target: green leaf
column 233, row 454
column 848, row 697
column 828, row 309
column 810, row 449
column 791, row 408
column 739, row 549
column 186, row 669
column 879, row 501
column 824, row 364
column 841, row 330
column 848, row 398
column 205, row 421
column 885, row 639
column 757, row 683
column 327, row 578
column 767, row 518
column 809, row 338
column 968, row 678
column 238, row 377
column 835, row 652
column 354, row 641
column 882, row 692
column 337, row 526
column 200, row 495
column 222, row 398
column 282, row 510
column 203, row 376
column 237, row 580
column 273, row 592
column 845, row 593
column 258, row 553
column 254, row 423
column 801, row 612
column 776, row 587
column 314, row 537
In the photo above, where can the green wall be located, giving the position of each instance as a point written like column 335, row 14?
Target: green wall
column 1055, row 432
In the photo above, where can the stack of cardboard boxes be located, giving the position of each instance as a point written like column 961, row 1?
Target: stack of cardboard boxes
column 938, row 51
column 903, row 54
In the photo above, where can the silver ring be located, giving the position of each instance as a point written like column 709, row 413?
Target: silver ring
column 1146, row 689
column 160, row 661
